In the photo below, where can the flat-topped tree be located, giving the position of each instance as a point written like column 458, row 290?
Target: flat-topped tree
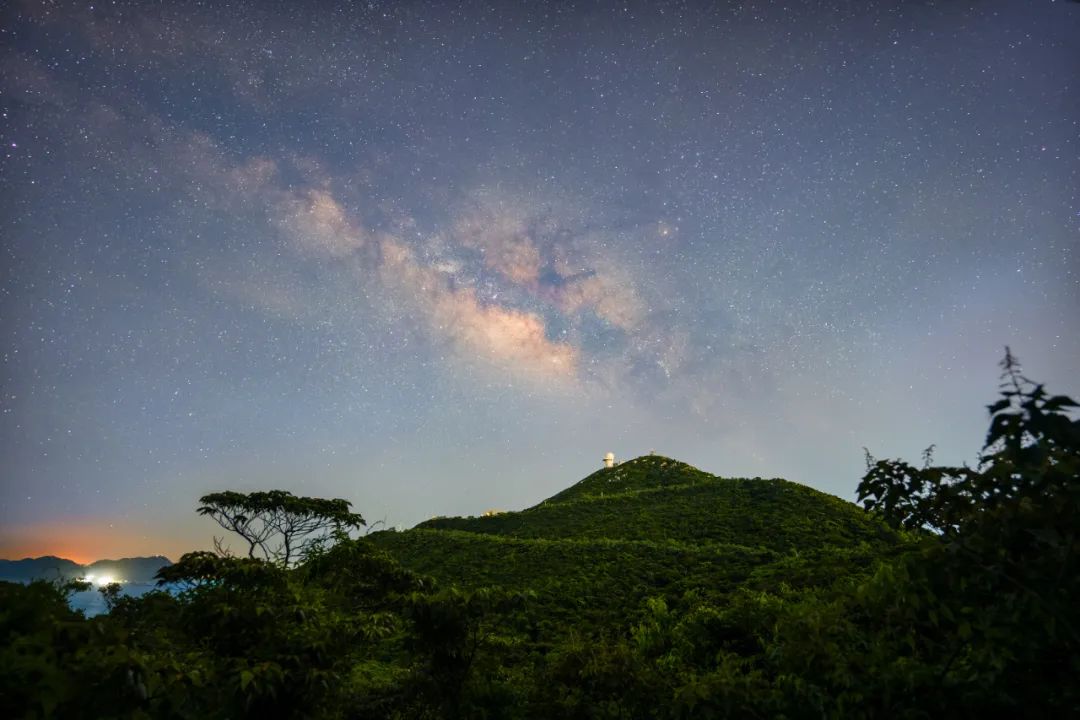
column 278, row 525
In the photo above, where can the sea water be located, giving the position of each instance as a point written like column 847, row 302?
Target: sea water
column 92, row 602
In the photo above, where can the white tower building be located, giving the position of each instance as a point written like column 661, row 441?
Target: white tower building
column 609, row 460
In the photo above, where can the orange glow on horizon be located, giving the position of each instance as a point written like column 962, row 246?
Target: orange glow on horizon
column 85, row 541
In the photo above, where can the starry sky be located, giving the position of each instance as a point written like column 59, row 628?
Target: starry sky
column 436, row 258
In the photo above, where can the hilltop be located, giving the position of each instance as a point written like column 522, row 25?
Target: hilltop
column 648, row 472
column 659, row 499
column 651, row 526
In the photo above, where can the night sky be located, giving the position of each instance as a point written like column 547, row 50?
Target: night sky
column 436, row 258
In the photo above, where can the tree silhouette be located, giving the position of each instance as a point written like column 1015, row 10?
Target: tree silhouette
column 277, row 525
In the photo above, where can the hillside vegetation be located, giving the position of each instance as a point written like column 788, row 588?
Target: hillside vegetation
column 649, row 527
column 656, row 499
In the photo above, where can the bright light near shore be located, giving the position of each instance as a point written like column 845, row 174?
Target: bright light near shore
column 101, row 580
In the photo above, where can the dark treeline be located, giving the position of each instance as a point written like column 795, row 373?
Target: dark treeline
column 666, row 594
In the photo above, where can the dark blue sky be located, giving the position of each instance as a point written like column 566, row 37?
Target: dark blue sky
column 437, row 258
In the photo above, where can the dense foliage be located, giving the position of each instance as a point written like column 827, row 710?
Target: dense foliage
column 652, row 590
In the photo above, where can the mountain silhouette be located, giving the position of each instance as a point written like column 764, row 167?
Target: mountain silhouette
column 136, row 569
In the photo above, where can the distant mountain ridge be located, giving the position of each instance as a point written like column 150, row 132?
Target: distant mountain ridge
column 50, row 567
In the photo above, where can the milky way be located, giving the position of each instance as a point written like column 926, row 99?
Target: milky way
column 437, row 258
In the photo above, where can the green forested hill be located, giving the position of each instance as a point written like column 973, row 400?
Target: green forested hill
column 657, row 499
column 649, row 527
